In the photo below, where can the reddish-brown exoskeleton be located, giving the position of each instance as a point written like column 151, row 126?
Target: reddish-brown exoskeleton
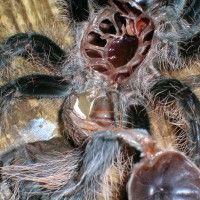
column 118, row 84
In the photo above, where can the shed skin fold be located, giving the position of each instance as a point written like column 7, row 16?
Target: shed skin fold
column 129, row 126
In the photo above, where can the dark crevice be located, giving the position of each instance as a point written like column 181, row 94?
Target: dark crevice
column 120, row 21
column 92, row 53
column 120, row 7
column 106, row 26
column 100, row 68
column 95, row 39
column 148, row 36
column 133, row 10
column 120, row 77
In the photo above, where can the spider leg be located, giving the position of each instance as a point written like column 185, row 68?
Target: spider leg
column 191, row 42
column 37, row 85
column 99, row 155
column 191, row 13
column 79, row 10
column 190, row 46
column 182, row 16
column 177, row 6
column 192, row 81
column 84, row 169
column 33, row 85
column 42, row 159
column 170, row 90
column 103, row 152
column 99, row 3
column 137, row 117
column 30, row 45
column 102, row 2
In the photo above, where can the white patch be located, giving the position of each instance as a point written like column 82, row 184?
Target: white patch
column 144, row 131
column 37, row 130
column 78, row 110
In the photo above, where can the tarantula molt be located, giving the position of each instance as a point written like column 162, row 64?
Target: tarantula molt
column 115, row 83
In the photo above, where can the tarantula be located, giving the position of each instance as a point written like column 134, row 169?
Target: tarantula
column 110, row 89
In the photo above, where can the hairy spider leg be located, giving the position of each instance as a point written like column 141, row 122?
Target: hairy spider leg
column 191, row 13
column 137, row 117
column 168, row 90
column 33, row 85
column 79, row 10
column 30, row 46
column 99, row 154
column 190, row 44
